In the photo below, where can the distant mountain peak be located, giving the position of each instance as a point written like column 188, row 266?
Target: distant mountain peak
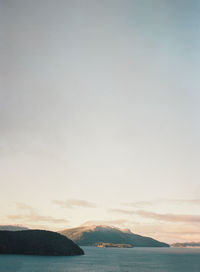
column 126, row 230
column 97, row 226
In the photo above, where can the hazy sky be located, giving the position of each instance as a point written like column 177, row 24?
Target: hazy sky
column 100, row 115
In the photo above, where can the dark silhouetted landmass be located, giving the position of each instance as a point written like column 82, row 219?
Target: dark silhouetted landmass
column 37, row 242
column 189, row 244
column 93, row 235
column 12, row 227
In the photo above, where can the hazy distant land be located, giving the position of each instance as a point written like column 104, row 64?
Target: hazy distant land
column 13, row 227
column 188, row 244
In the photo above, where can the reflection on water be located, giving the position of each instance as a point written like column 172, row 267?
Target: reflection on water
column 108, row 260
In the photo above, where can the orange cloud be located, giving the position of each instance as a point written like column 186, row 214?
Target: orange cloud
column 72, row 203
column 170, row 217
column 162, row 217
column 32, row 216
column 138, row 203
column 158, row 201
column 169, row 232
column 36, row 218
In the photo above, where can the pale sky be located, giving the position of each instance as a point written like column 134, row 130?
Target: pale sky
column 100, row 115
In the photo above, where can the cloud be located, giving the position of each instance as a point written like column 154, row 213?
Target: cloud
column 121, row 211
column 169, row 232
column 162, row 217
column 36, row 218
column 186, row 201
column 170, row 217
column 73, row 203
column 138, row 203
column 23, row 206
column 32, row 216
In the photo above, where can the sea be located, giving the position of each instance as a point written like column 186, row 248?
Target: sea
column 109, row 260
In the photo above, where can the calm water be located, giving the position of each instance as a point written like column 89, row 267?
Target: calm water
column 109, row 260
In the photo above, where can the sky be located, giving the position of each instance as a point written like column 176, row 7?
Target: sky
column 100, row 115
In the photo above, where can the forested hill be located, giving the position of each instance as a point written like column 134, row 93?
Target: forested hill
column 93, row 235
column 37, row 242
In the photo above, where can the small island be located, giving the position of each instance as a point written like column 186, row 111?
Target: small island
column 114, row 245
column 37, row 242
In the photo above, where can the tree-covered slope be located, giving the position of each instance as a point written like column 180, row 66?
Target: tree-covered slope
column 37, row 242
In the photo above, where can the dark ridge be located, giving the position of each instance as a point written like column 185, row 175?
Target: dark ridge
column 37, row 242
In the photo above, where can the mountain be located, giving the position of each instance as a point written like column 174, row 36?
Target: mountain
column 188, row 244
column 37, row 242
column 12, row 227
column 94, row 235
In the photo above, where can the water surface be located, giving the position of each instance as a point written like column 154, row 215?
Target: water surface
column 109, row 260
